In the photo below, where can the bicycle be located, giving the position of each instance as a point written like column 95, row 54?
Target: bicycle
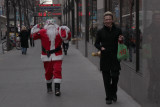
column 13, row 43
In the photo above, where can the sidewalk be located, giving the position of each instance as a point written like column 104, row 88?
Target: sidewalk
column 22, row 82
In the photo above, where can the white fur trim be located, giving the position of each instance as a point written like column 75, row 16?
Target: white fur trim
column 57, row 80
column 49, row 81
column 66, row 41
column 45, row 26
column 35, row 29
column 66, row 28
column 51, row 58
column 56, row 26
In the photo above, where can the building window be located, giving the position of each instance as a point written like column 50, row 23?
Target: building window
column 129, row 31
column 131, row 21
column 116, row 11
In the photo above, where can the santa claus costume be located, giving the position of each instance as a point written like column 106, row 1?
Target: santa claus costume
column 51, row 37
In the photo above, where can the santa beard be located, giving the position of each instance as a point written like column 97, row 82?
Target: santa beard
column 51, row 31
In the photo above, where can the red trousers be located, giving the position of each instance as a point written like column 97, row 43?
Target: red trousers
column 53, row 71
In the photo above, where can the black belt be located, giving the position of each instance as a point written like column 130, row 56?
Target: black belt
column 49, row 52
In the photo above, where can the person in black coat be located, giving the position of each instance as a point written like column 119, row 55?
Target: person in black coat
column 107, row 43
column 30, row 37
column 24, row 39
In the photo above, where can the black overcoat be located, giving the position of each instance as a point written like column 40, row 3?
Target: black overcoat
column 108, row 38
column 24, row 38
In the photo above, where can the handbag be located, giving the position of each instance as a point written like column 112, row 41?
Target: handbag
column 122, row 52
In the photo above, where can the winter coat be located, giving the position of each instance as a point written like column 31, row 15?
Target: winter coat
column 48, row 44
column 108, row 38
column 24, row 38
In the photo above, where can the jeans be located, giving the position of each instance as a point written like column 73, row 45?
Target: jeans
column 24, row 50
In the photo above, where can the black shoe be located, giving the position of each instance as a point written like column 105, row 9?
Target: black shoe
column 108, row 101
column 114, row 98
column 57, row 89
column 57, row 92
column 49, row 88
column 65, row 53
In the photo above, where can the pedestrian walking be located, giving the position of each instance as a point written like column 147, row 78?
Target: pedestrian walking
column 107, row 42
column 24, row 40
column 31, row 37
column 51, row 40
column 66, row 42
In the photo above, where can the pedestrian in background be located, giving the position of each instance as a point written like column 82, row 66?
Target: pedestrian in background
column 107, row 42
column 31, row 37
column 51, row 40
column 24, row 40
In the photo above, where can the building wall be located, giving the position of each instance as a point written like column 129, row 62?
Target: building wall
column 143, row 85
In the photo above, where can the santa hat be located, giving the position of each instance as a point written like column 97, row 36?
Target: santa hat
column 64, row 29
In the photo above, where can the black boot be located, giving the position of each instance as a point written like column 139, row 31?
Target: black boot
column 57, row 89
column 108, row 101
column 114, row 97
column 49, row 88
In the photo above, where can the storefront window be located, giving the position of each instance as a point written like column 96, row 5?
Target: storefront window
column 129, row 30
column 116, row 11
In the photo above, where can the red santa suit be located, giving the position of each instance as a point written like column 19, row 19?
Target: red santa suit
column 51, row 37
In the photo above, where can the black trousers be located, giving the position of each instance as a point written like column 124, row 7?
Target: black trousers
column 110, row 83
column 65, row 46
column 31, row 42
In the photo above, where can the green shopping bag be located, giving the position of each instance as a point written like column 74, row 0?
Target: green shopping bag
column 122, row 52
